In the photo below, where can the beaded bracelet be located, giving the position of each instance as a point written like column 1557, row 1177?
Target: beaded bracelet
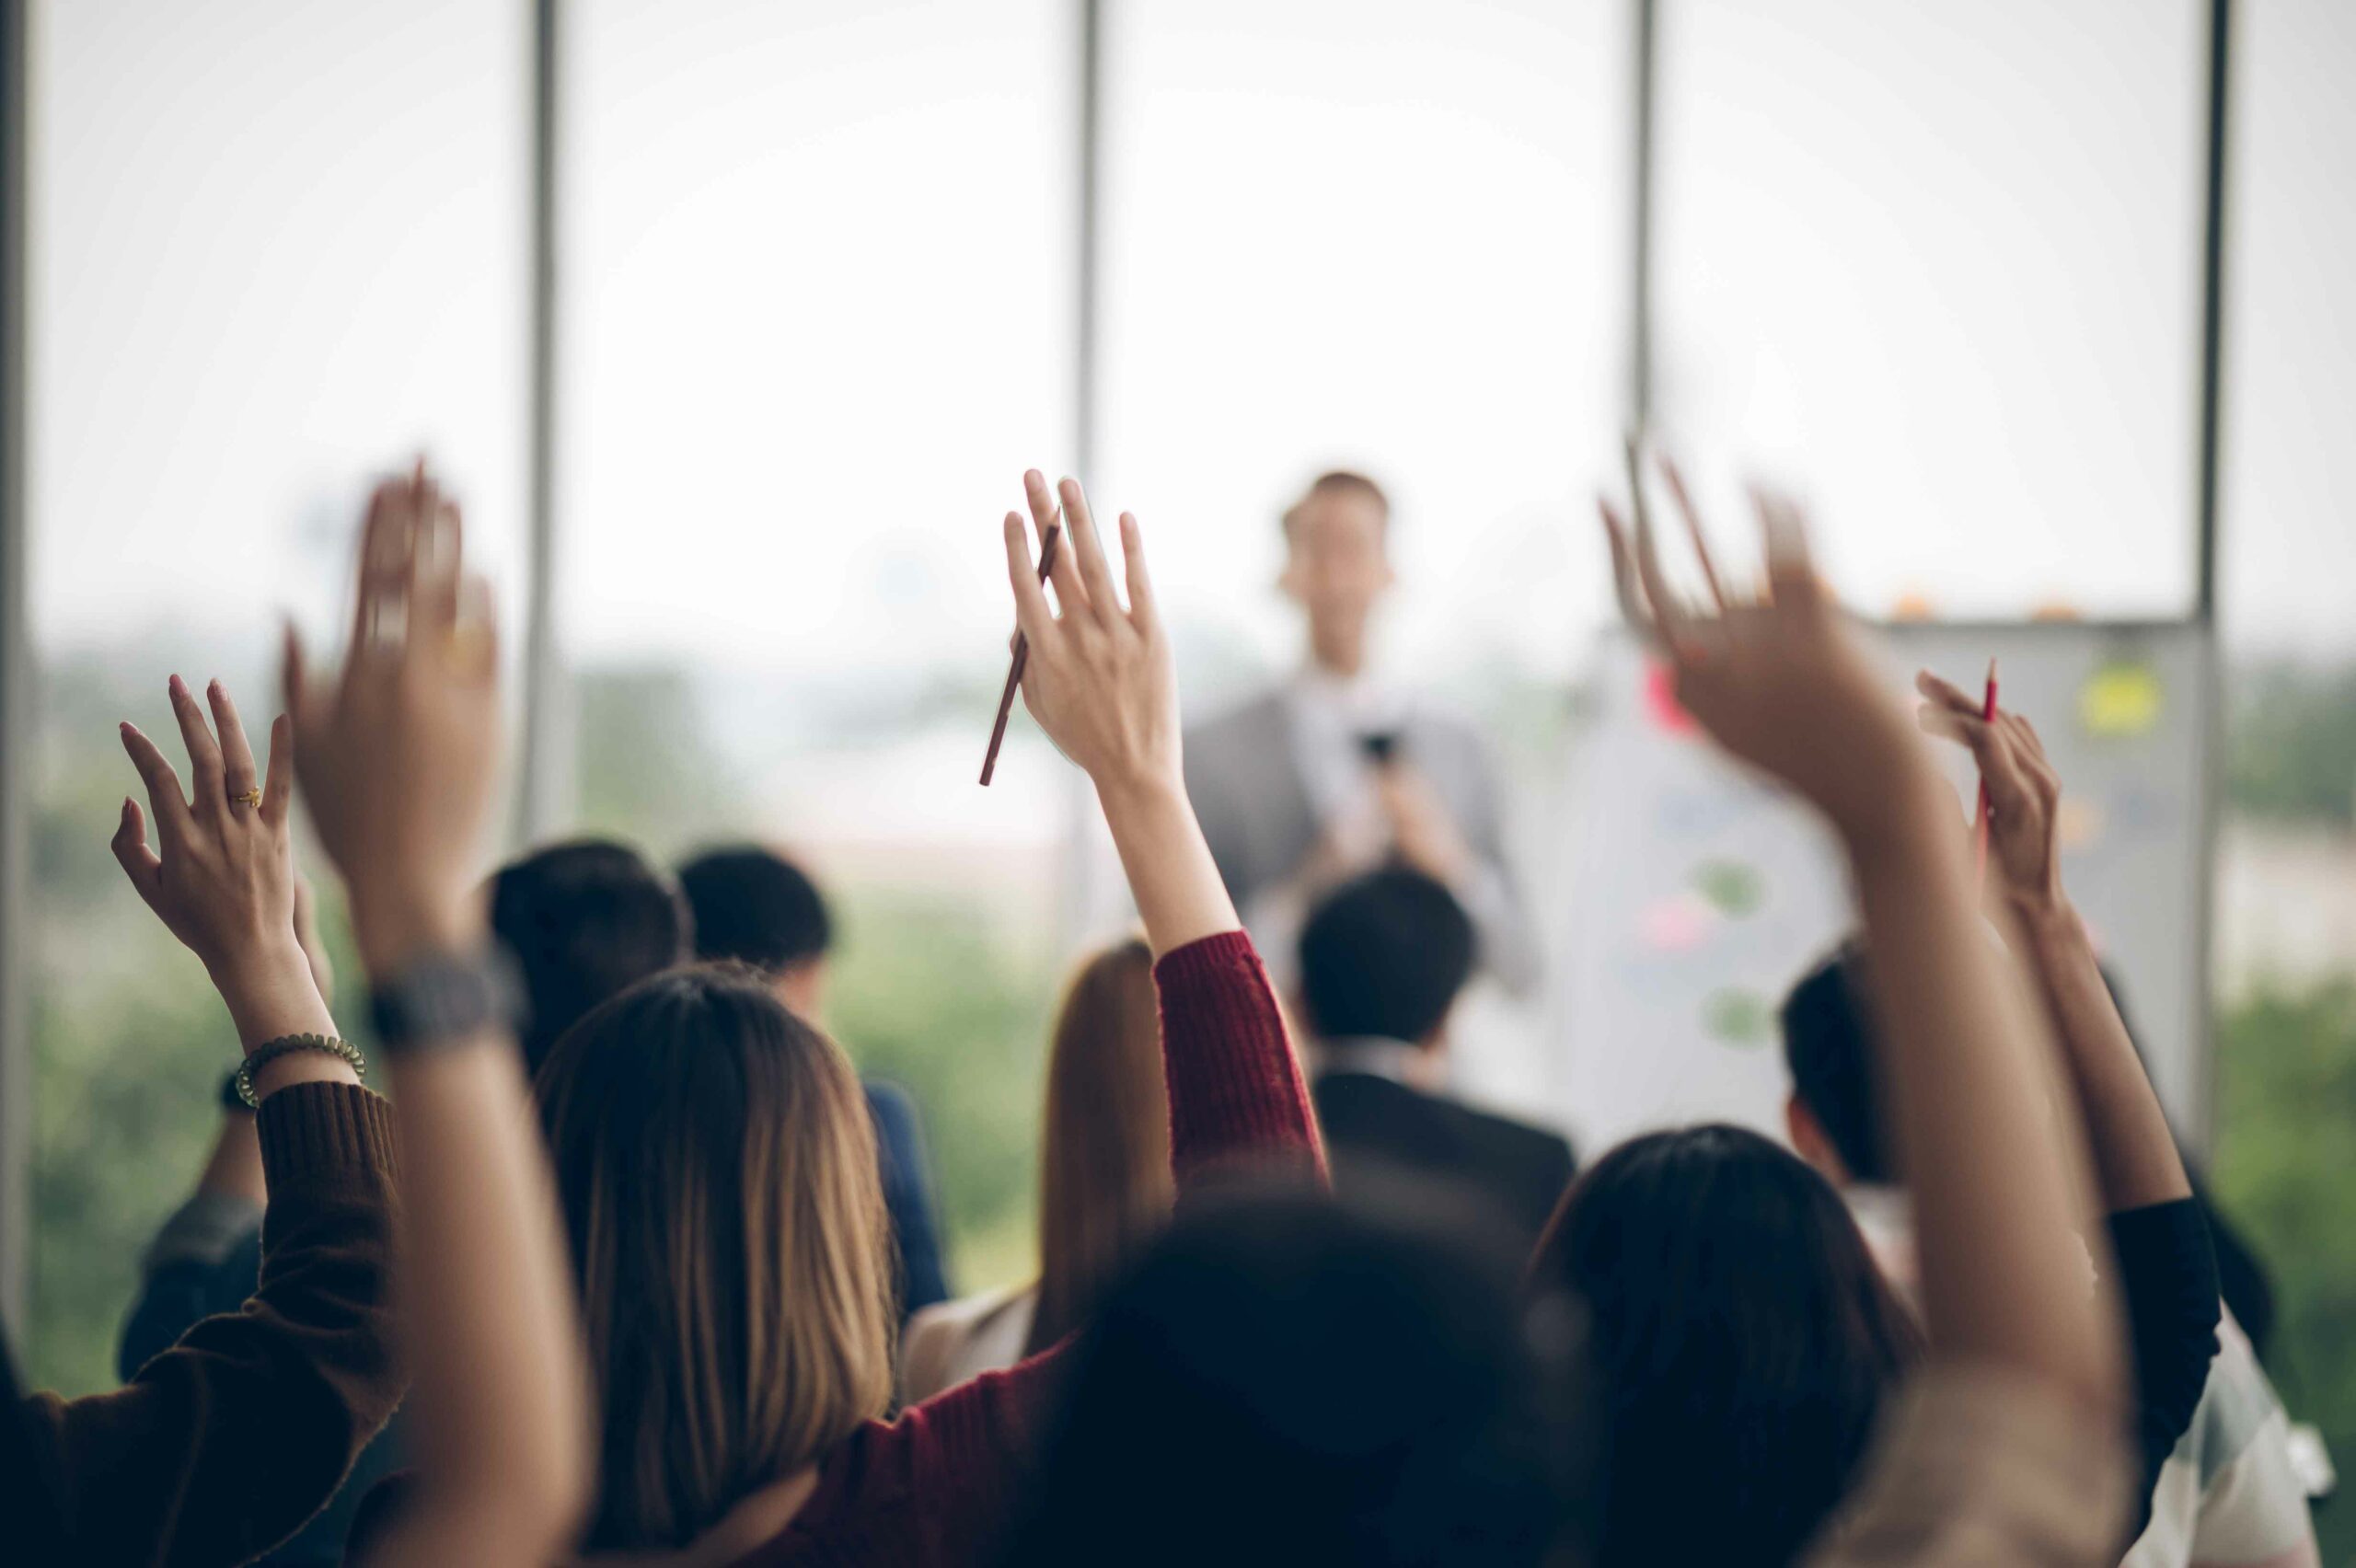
column 284, row 1044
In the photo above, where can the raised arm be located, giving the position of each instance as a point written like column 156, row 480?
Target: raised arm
column 2135, row 1155
column 2166, row 1270
column 224, row 1443
column 1784, row 684
column 398, row 757
column 1102, row 683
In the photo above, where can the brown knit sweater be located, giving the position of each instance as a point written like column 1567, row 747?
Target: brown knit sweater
column 225, row 1445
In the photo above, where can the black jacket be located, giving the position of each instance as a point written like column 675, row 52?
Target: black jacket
column 1375, row 1126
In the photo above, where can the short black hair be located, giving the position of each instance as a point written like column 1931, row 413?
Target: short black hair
column 1383, row 956
column 756, row 906
column 586, row 919
column 1337, row 481
column 1828, row 1045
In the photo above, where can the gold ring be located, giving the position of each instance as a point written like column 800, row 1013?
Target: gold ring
column 249, row 798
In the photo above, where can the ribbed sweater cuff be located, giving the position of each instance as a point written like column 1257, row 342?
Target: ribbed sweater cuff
column 321, row 1133
column 1234, row 1086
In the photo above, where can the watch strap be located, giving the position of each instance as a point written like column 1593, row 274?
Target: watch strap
column 441, row 998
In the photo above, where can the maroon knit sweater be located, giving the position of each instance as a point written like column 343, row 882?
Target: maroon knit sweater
column 223, row 1445
column 937, row 1485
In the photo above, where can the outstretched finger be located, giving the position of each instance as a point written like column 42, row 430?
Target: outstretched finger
column 1684, row 500
column 1095, row 571
column 2025, row 735
column 1032, row 618
column 385, row 540
column 292, row 677
column 1946, row 694
column 1623, row 571
column 203, row 753
column 130, row 846
column 1669, row 613
column 473, row 639
column 238, row 778
column 1990, row 749
column 2030, row 754
column 1047, row 520
column 278, row 784
column 1791, row 570
column 435, row 568
column 1141, row 604
column 164, row 797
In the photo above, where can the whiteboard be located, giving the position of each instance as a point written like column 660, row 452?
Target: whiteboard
column 1696, row 894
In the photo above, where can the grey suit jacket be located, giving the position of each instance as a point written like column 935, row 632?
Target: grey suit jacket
column 1243, row 775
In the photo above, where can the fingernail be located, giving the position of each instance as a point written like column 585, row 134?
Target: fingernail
column 123, row 727
column 177, row 687
column 213, row 686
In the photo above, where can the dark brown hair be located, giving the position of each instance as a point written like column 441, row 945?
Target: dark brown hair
column 716, row 1168
column 1744, row 1342
column 1105, row 1184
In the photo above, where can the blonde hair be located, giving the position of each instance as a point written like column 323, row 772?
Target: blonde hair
column 1104, row 1186
column 716, row 1166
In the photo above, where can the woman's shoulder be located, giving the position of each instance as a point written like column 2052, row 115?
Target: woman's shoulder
column 939, row 1471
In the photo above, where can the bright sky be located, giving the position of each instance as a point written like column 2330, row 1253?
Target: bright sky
column 1935, row 261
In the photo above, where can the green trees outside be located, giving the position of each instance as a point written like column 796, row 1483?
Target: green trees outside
column 2286, row 1169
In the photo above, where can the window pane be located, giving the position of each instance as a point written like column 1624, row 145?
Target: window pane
column 1939, row 264
column 274, row 248
column 1379, row 236
column 2289, row 542
column 816, row 321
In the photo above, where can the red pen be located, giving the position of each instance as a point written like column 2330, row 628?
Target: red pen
column 1980, row 812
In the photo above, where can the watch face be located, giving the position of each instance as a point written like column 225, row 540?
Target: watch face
column 445, row 999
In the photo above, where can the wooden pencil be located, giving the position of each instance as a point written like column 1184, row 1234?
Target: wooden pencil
column 1021, row 657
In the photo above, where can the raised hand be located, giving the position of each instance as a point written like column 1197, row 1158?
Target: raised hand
column 221, row 874
column 2024, row 792
column 1102, row 683
column 225, row 882
column 1967, row 1058
column 1781, row 679
column 398, row 751
column 397, row 754
column 1100, row 680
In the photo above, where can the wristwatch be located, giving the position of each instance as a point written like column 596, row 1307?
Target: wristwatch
column 445, row 997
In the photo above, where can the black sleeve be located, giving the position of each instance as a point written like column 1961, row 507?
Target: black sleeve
column 2167, row 1281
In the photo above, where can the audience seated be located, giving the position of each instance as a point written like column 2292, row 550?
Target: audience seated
column 2217, row 1476
column 718, row 1180
column 756, row 907
column 661, row 1332
column 1103, row 1181
column 1383, row 960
